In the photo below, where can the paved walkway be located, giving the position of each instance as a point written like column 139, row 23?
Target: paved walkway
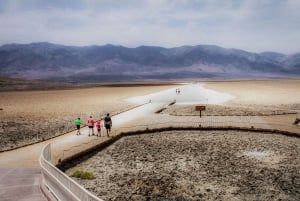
column 19, row 169
column 20, row 172
column 20, row 183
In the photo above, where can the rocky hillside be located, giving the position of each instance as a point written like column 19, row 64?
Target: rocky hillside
column 109, row 63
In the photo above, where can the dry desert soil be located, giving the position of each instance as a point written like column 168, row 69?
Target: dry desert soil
column 196, row 165
column 32, row 116
column 206, row 165
column 171, row 165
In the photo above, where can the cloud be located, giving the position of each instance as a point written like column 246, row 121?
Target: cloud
column 270, row 25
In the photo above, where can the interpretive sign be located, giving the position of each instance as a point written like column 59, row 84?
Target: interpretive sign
column 200, row 108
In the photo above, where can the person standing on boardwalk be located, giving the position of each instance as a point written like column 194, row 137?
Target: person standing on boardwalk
column 98, row 125
column 78, row 123
column 108, row 124
column 91, row 125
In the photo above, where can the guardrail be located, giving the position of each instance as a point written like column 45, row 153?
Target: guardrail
column 64, row 188
column 60, row 185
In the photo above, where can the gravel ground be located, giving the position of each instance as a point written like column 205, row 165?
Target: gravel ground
column 196, row 165
column 33, row 116
column 17, row 131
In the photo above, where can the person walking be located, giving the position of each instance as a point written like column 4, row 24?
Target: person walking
column 78, row 123
column 98, row 125
column 91, row 125
column 108, row 124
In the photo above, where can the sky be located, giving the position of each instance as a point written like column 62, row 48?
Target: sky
column 251, row 25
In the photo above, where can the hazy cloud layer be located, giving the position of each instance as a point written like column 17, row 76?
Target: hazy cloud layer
column 253, row 25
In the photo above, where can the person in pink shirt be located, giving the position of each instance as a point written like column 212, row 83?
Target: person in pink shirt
column 91, row 125
column 98, row 125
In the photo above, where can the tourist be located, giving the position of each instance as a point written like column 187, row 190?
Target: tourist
column 108, row 124
column 98, row 125
column 78, row 123
column 91, row 125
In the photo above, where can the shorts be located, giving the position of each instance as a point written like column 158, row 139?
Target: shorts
column 91, row 126
column 78, row 127
column 98, row 129
column 107, row 126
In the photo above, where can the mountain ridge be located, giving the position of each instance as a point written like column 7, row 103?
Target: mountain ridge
column 109, row 63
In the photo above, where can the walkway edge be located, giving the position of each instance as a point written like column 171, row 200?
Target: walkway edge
column 45, row 190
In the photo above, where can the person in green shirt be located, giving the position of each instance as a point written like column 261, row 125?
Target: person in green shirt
column 78, row 123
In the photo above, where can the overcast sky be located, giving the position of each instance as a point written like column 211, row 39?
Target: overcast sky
column 252, row 25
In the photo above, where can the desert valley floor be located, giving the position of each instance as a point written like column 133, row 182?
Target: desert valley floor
column 172, row 165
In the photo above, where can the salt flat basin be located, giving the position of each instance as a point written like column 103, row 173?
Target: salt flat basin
column 189, row 94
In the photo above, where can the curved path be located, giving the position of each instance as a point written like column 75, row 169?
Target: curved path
column 19, row 169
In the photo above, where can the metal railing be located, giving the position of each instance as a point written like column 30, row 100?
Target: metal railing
column 60, row 185
column 64, row 188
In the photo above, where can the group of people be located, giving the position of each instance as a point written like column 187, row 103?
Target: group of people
column 177, row 91
column 91, row 124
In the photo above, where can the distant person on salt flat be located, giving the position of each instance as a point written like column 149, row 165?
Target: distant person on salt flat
column 108, row 124
column 98, row 126
column 78, row 123
column 91, row 125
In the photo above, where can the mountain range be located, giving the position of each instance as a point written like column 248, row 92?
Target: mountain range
column 110, row 63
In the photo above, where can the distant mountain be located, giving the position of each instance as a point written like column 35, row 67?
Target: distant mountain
column 110, row 63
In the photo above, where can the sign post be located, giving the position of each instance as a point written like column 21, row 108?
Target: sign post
column 200, row 108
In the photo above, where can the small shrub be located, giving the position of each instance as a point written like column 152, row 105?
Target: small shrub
column 83, row 174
